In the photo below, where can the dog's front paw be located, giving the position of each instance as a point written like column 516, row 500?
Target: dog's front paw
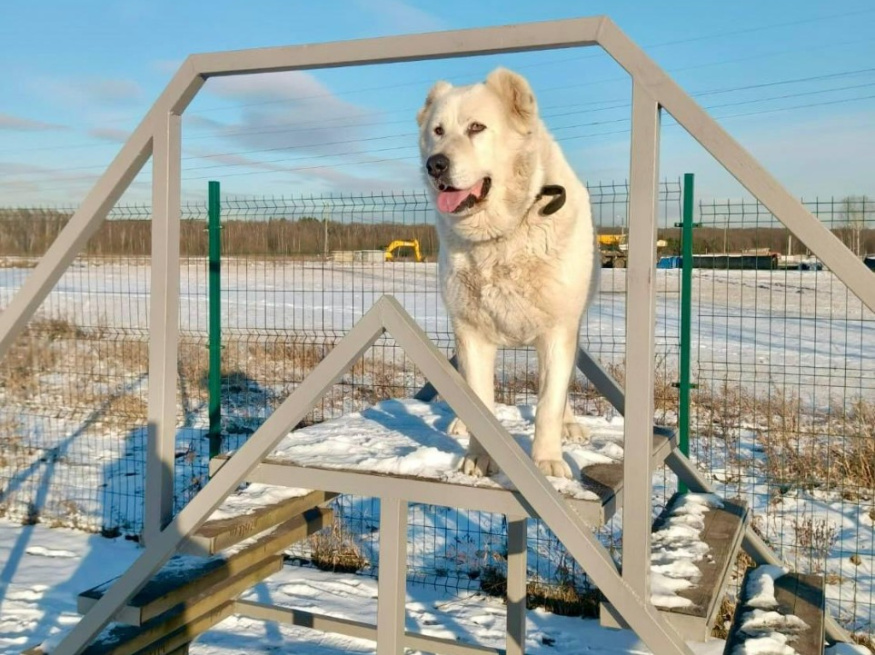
column 479, row 465
column 556, row 468
column 458, row 428
column 574, row 432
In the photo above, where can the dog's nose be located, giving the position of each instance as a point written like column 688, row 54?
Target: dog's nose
column 437, row 165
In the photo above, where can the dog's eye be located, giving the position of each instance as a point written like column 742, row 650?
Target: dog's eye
column 474, row 128
column 439, row 130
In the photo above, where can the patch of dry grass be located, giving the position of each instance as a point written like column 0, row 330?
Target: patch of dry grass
column 332, row 550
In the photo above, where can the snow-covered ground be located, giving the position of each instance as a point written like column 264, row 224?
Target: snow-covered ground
column 753, row 327
column 44, row 569
column 767, row 327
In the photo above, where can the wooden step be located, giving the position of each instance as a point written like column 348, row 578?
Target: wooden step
column 796, row 595
column 246, row 514
column 186, row 577
column 605, row 481
column 723, row 532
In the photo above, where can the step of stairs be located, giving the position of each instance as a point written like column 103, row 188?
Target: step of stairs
column 185, row 577
column 605, row 481
column 249, row 512
column 692, row 610
column 778, row 609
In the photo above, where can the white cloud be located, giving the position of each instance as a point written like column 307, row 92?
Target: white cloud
column 90, row 91
column 293, row 111
column 19, row 124
column 109, row 134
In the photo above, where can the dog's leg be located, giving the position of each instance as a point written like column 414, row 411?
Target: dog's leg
column 556, row 351
column 572, row 431
column 476, row 357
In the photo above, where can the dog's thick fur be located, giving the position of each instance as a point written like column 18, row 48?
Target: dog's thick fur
column 510, row 275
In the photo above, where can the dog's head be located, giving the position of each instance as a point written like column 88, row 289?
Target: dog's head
column 476, row 145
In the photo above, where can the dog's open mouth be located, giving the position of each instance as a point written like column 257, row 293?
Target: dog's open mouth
column 451, row 200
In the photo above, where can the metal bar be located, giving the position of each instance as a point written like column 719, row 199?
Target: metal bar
column 575, row 535
column 415, row 490
column 686, row 320
column 163, row 324
column 287, row 415
column 392, row 577
column 738, row 162
column 214, row 232
column 428, row 393
column 413, row 47
column 640, row 341
column 752, row 544
column 93, row 210
column 516, row 585
column 358, row 629
column 601, row 380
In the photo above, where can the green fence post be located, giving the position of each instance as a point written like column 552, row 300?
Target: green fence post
column 214, row 231
column 686, row 319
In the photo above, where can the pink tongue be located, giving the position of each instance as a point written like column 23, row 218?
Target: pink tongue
column 449, row 201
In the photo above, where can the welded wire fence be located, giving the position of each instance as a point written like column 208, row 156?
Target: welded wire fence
column 782, row 356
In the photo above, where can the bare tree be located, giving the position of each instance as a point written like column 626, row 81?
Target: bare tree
column 853, row 213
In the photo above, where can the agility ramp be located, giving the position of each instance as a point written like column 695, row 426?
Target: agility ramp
column 158, row 137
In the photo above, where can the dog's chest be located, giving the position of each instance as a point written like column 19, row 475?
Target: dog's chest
column 500, row 297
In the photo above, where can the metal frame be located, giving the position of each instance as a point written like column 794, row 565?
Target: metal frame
column 158, row 136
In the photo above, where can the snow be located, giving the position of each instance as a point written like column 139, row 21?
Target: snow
column 38, row 605
column 409, row 437
column 765, row 630
column 253, row 497
column 761, row 326
column 676, row 547
column 760, row 588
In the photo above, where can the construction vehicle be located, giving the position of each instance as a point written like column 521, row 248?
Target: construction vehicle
column 614, row 249
column 392, row 249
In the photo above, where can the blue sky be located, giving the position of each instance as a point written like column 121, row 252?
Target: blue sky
column 793, row 81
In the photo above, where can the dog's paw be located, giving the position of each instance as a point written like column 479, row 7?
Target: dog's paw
column 574, row 432
column 458, row 428
column 556, row 468
column 479, row 465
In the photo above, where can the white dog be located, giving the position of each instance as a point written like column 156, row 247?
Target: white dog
column 517, row 258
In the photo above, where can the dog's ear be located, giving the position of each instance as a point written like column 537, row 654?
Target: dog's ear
column 440, row 88
column 515, row 92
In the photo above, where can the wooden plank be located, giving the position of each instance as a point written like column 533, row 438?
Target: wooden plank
column 188, row 620
column 218, row 534
column 606, row 480
column 802, row 594
column 799, row 594
column 723, row 531
column 186, row 577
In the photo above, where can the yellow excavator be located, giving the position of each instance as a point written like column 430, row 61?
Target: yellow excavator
column 614, row 249
column 392, row 248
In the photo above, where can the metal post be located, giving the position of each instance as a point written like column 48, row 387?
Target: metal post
column 684, row 386
column 214, row 231
column 392, row 577
column 640, row 341
column 164, row 325
column 516, row 586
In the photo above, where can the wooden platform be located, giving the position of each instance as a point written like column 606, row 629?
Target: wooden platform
column 185, row 577
column 723, row 532
column 601, row 483
column 242, row 521
column 797, row 594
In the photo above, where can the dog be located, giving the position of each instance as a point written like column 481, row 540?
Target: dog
column 517, row 260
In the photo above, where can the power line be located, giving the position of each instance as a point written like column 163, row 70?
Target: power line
column 412, row 135
column 715, row 35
